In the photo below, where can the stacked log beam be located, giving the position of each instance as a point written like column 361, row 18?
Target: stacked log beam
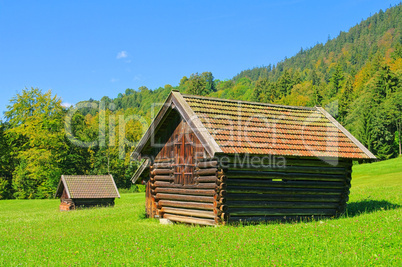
column 345, row 194
column 303, row 188
column 188, row 203
column 208, row 171
column 220, row 208
column 161, row 170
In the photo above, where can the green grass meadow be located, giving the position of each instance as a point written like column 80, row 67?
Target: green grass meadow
column 35, row 233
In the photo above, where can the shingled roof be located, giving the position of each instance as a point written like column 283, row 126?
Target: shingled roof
column 230, row 127
column 88, row 186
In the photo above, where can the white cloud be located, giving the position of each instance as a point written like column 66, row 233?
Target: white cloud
column 113, row 80
column 137, row 77
column 122, row 54
column 66, row 105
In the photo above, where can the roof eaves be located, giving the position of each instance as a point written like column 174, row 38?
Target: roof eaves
column 56, row 194
column 117, row 190
column 65, row 186
column 347, row 133
column 137, row 151
column 196, row 125
column 140, row 170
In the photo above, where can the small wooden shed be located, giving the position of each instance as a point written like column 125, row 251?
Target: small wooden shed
column 86, row 191
column 211, row 161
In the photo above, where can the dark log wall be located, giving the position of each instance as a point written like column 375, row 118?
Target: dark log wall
column 92, row 202
column 222, row 190
column 301, row 188
column 70, row 204
column 184, row 183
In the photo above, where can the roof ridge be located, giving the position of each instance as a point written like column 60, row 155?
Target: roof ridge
column 247, row 102
column 87, row 175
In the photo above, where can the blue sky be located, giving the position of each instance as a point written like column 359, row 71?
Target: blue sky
column 88, row 49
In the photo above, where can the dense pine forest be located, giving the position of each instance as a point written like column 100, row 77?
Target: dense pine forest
column 356, row 76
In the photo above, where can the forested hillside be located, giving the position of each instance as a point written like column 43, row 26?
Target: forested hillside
column 356, row 76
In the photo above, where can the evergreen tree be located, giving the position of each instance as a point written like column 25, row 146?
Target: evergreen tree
column 345, row 100
column 264, row 91
column 317, row 97
column 314, row 77
column 385, row 84
column 336, row 80
column 365, row 130
column 284, row 84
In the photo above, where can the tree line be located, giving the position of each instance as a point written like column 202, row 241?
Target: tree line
column 40, row 140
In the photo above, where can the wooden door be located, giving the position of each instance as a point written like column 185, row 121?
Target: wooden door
column 184, row 154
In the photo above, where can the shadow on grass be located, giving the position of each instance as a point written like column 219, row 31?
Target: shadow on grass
column 142, row 216
column 368, row 206
column 353, row 209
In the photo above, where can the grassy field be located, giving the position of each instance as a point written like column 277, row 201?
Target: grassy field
column 34, row 232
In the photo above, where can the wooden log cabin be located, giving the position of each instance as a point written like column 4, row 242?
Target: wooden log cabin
column 86, row 191
column 212, row 161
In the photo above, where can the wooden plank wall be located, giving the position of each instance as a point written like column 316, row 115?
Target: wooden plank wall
column 184, row 144
column 183, row 182
column 64, row 197
column 65, row 202
column 304, row 188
